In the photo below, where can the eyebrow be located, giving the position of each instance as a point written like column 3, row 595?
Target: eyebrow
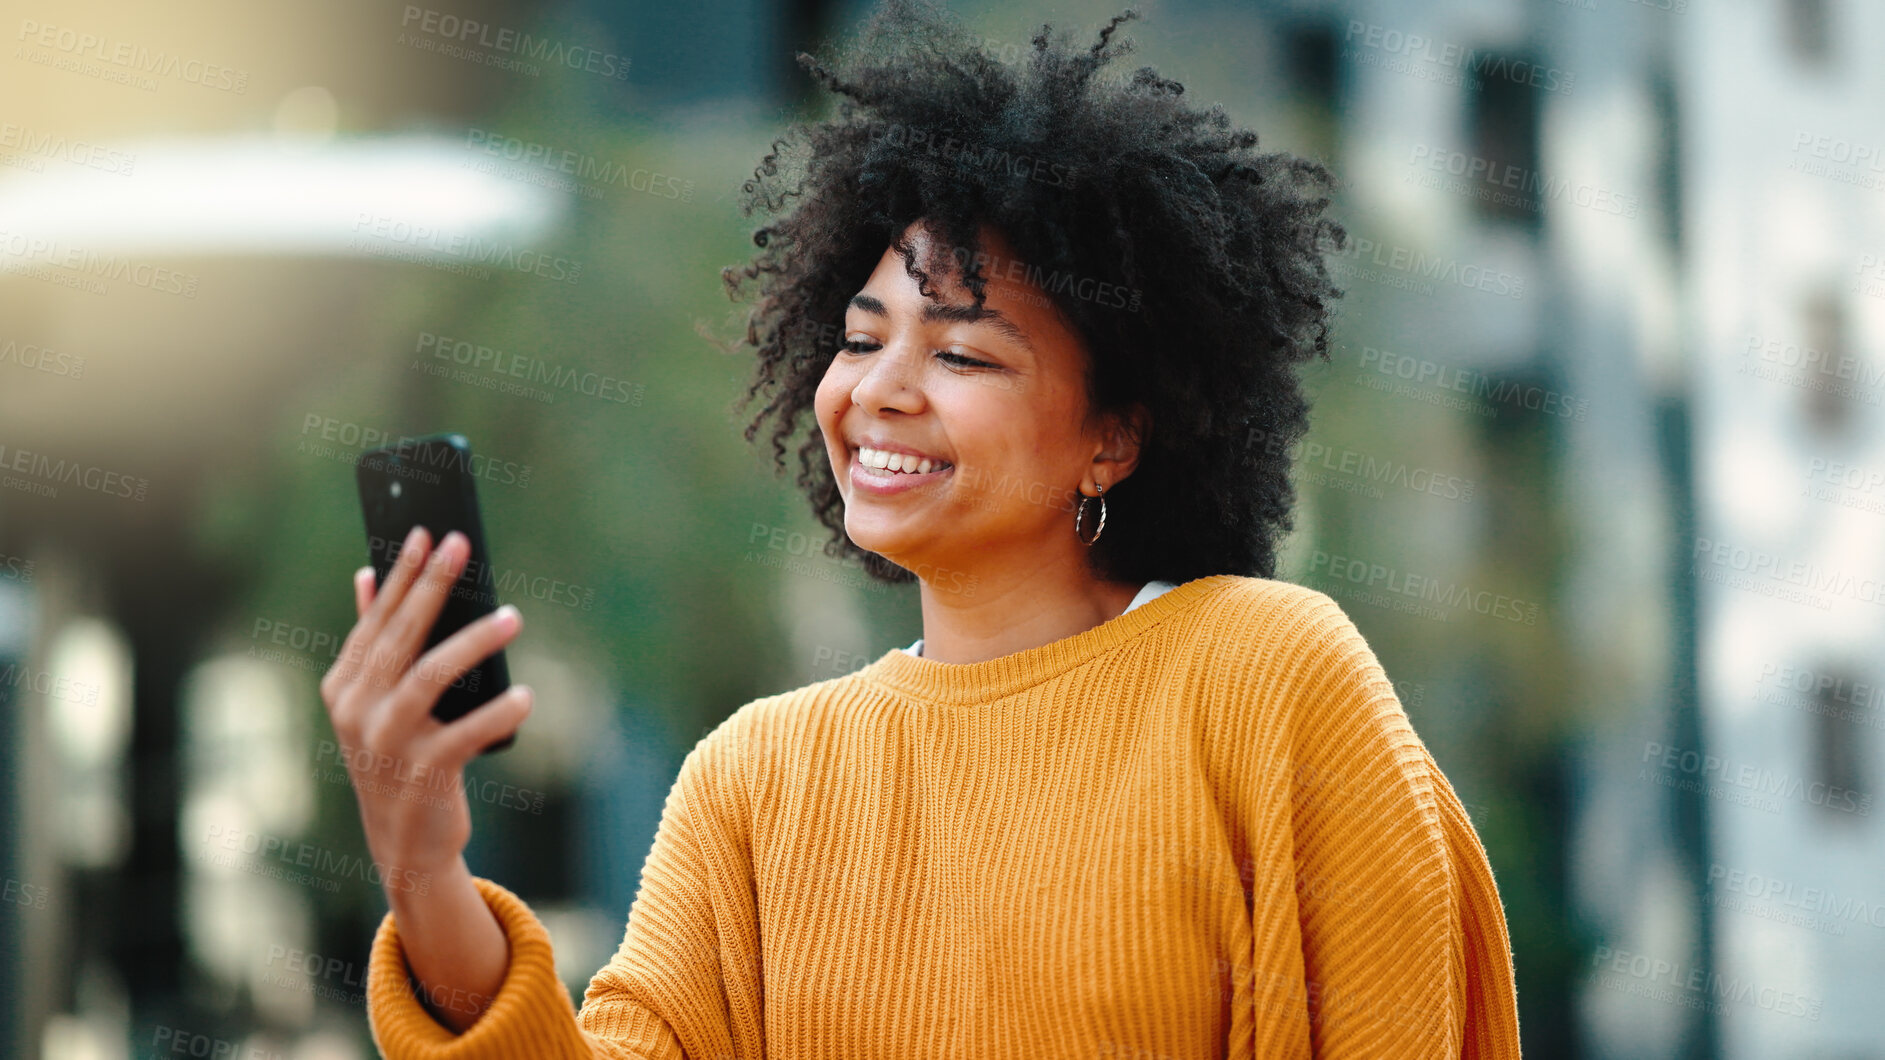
column 934, row 312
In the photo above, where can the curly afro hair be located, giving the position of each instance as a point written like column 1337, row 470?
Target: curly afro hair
column 1120, row 182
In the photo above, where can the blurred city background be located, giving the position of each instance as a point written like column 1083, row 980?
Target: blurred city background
column 1598, row 467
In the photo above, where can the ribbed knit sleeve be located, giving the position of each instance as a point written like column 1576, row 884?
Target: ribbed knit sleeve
column 683, row 983
column 1400, row 953
column 1485, row 981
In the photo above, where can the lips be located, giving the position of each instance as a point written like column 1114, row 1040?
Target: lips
column 898, row 460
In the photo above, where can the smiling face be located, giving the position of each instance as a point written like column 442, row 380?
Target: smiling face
column 979, row 415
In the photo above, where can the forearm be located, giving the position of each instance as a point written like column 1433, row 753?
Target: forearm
column 455, row 947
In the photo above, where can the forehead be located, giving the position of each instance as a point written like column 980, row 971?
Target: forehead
column 1009, row 284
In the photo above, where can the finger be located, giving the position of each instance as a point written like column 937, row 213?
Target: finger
column 405, row 632
column 358, row 651
column 362, row 591
column 463, row 739
column 406, row 568
column 422, row 685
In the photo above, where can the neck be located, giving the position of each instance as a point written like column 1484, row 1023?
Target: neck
column 1025, row 609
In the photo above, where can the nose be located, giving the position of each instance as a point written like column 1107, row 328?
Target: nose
column 888, row 381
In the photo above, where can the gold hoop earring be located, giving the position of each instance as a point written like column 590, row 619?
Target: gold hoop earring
column 1079, row 516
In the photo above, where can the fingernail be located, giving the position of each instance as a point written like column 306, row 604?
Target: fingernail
column 508, row 618
column 412, row 539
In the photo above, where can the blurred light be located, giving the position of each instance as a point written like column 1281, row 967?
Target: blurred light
column 17, row 618
column 1751, row 480
column 89, row 715
column 246, row 739
column 75, row 1038
column 91, row 725
column 327, row 1045
column 582, row 939
column 99, row 1026
column 232, row 915
column 566, row 718
column 1745, row 639
column 248, row 195
column 246, row 749
column 306, row 117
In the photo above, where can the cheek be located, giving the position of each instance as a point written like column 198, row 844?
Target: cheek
column 828, row 401
column 829, row 404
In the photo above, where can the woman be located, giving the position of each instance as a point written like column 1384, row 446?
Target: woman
column 1128, row 795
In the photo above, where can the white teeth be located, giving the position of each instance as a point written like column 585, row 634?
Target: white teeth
column 903, row 463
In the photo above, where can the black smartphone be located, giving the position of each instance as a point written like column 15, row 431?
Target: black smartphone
column 429, row 482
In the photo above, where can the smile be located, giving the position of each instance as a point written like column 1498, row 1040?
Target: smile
column 882, row 473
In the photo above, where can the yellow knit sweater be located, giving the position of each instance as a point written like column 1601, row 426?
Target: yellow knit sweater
column 1203, row 828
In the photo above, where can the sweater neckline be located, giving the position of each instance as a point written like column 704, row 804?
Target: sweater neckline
column 991, row 679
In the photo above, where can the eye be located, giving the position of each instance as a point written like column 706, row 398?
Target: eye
column 867, row 346
column 967, row 361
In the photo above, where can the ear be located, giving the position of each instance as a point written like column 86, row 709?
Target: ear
column 1124, row 438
